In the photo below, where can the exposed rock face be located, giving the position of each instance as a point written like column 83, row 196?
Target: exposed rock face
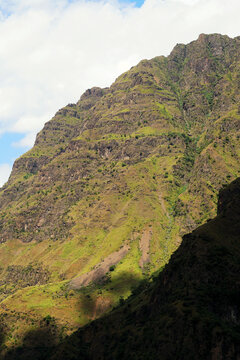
column 17, row 277
column 193, row 91
column 184, row 105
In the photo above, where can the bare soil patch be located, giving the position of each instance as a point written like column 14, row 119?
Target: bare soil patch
column 100, row 269
column 144, row 245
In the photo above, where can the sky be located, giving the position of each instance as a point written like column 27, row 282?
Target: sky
column 51, row 51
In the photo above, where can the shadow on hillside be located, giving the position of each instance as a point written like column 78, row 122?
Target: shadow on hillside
column 37, row 344
column 97, row 298
column 2, row 338
column 42, row 343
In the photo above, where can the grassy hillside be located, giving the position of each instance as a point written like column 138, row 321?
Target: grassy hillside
column 189, row 311
column 114, row 181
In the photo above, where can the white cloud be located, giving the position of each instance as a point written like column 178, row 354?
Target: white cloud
column 52, row 50
column 4, row 173
column 26, row 142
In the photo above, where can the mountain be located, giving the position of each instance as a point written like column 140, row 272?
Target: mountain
column 189, row 311
column 113, row 182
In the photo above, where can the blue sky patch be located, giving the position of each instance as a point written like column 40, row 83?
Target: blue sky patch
column 9, row 152
column 137, row 3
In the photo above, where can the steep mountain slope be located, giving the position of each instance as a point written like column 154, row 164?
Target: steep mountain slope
column 191, row 311
column 113, row 181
